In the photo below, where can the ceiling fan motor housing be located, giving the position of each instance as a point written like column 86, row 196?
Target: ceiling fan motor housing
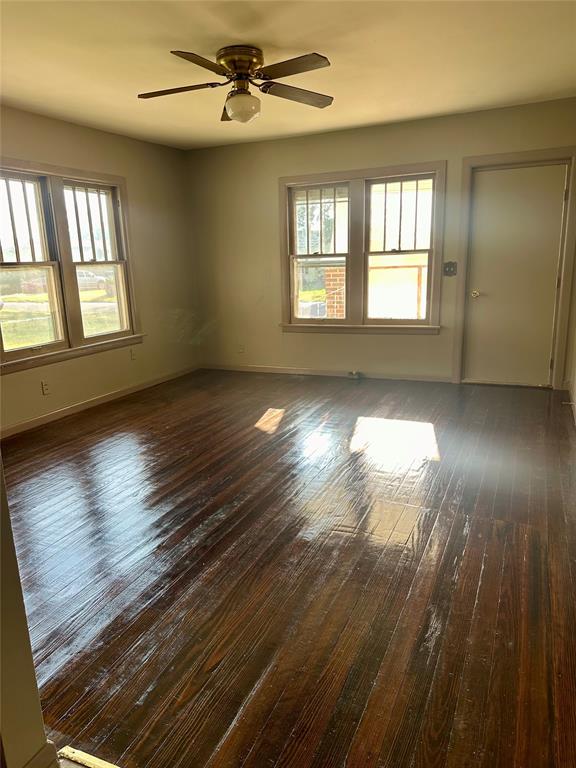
column 243, row 60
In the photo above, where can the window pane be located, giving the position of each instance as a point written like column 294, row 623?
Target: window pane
column 341, row 220
column 328, row 211
column 320, row 288
column 16, row 189
column 401, row 215
column 97, row 222
column 33, row 201
column 102, row 298
column 6, row 233
column 84, row 224
column 109, row 231
column 314, row 220
column 29, row 313
column 320, row 221
column 377, row 212
column 92, row 209
column 408, row 221
column 72, row 224
column 393, row 192
column 397, row 286
column 424, row 222
column 21, row 230
column 300, row 221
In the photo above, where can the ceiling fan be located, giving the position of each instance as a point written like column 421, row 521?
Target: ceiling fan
column 243, row 66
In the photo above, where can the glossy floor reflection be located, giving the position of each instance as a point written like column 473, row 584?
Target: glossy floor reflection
column 255, row 570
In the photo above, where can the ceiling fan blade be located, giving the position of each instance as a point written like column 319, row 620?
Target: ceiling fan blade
column 297, row 94
column 225, row 118
column 168, row 91
column 294, row 66
column 201, row 61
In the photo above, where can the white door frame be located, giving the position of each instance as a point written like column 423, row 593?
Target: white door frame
column 565, row 257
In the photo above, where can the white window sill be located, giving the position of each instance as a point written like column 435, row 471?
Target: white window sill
column 428, row 330
column 23, row 363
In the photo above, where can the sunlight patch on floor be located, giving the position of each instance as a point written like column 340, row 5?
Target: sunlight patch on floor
column 270, row 420
column 393, row 444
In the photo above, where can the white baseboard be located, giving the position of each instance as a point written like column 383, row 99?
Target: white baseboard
column 322, row 372
column 24, row 426
column 46, row 757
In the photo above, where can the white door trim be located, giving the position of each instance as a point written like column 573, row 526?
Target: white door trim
column 566, row 255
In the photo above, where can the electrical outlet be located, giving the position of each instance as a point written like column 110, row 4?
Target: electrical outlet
column 241, row 349
column 44, row 388
column 132, row 354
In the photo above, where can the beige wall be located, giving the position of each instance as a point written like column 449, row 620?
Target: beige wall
column 234, row 198
column 159, row 235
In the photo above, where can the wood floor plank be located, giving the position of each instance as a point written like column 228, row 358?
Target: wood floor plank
column 469, row 721
column 434, row 723
column 500, row 713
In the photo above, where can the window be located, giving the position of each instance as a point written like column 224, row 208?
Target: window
column 321, row 244
column 64, row 282
column 31, row 313
column 363, row 250
column 400, row 234
column 93, row 242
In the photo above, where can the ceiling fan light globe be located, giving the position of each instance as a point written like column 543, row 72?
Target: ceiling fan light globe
column 242, row 107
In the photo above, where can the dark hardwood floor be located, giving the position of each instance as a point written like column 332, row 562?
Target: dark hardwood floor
column 255, row 570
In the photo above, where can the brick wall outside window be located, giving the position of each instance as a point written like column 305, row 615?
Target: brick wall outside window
column 335, row 282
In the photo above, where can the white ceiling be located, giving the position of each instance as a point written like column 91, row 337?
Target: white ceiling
column 85, row 61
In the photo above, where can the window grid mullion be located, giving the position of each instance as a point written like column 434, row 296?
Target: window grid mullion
column 321, row 244
column 307, row 225
column 400, row 216
column 104, row 244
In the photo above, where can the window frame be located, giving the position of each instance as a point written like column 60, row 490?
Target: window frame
column 293, row 256
column 52, row 262
column 52, row 180
column 359, row 183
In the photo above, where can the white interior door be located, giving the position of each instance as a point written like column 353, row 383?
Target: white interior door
column 516, row 223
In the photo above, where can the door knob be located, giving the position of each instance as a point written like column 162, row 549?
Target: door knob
column 474, row 294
